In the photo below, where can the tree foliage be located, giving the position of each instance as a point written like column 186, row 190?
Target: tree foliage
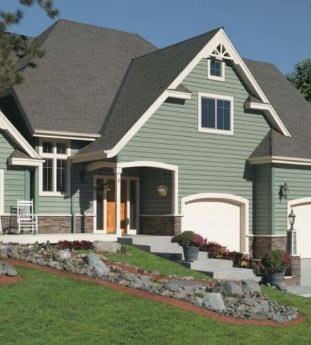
column 14, row 46
column 301, row 78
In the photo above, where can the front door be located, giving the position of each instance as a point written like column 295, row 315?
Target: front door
column 111, row 221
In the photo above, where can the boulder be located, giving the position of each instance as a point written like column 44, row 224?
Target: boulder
column 3, row 269
column 11, row 271
column 3, row 251
column 214, row 301
column 251, row 286
column 63, row 255
column 232, row 288
column 93, row 260
column 55, row 264
column 106, row 247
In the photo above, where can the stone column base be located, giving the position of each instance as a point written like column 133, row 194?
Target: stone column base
column 259, row 246
column 160, row 225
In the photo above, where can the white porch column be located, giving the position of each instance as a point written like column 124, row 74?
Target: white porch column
column 117, row 181
column 175, row 191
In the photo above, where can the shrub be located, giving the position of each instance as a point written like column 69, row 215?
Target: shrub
column 216, row 251
column 74, row 245
column 276, row 261
column 188, row 238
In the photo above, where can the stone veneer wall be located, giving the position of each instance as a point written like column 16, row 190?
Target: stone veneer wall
column 52, row 224
column 260, row 245
column 160, row 225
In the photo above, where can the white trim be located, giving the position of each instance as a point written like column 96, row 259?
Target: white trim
column 269, row 110
column 279, row 160
column 65, row 135
column 160, row 165
column 112, row 177
column 240, row 201
column 54, row 156
column 26, row 162
column 215, row 77
column 17, row 137
column 215, row 97
column 64, row 215
column 99, row 165
column 1, row 193
column 179, row 94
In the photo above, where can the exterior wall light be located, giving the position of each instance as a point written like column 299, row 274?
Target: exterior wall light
column 284, row 191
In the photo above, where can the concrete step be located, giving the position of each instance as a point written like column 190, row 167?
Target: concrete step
column 145, row 239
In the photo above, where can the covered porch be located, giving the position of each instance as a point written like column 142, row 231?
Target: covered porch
column 126, row 200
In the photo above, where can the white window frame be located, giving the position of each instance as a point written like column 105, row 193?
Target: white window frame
column 216, row 97
column 55, row 156
column 215, row 77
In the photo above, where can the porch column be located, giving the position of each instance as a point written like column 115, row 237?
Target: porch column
column 117, row 181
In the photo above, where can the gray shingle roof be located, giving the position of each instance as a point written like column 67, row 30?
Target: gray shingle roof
column 20, row 154
column 292, row 108
column 147, row 77
column 73, row 86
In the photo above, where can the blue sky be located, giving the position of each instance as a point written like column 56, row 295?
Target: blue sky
column 276, row 31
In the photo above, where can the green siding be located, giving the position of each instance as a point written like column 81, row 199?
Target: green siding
column 207, row 162
column 299, row 184
column 14, row 177
column 262, row 197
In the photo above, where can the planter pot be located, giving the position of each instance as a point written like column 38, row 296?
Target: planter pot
column 191, row 253
column 275, row 278
column 162, row 192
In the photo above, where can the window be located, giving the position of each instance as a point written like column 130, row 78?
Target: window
column 216, row 69
column 215, row 114
column 55, row 172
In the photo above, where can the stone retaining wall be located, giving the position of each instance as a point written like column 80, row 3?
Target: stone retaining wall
column 160, row 225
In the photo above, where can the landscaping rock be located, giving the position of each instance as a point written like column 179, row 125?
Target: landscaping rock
column 232, row 288
column 95, row 261
column 11, row 271
column 63, row 255
column 55, row 264
column 3, row 251
column 106, row 247
column 3, row 269
column 251, row 286
column 214, row 301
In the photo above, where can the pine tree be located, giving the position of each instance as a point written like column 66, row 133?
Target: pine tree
column 14, row 46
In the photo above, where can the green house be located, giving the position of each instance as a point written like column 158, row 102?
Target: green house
column 110, row 135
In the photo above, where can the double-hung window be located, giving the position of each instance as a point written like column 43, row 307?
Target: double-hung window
column 215, row 113
column 55, row 173
column 215, row 69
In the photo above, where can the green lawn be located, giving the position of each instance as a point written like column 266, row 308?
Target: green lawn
column 151, row 262
column 50, row 309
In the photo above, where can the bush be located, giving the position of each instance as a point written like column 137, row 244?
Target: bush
column 216, row 251
column 276, row 261
column 74, row 245
column 189, row 238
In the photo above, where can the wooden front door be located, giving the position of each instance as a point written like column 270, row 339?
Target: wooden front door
column 111, row 221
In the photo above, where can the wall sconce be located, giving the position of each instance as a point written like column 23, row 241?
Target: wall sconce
column 284, row 191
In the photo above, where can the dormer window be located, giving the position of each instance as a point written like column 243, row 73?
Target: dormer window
column 215, row 69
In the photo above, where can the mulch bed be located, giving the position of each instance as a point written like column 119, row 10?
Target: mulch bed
column 5, row 280
column 167, row 300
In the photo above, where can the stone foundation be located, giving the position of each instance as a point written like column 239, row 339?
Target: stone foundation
column 160, row 225
column 52, row 224
column 295, row 272
column 259, row 245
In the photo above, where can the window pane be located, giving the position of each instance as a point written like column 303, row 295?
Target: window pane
column 61, row 148
column 133, row 205
column 61, row 175
column 223, row 114
column 208, row 113
column 47, row 147
column 48, row 175
column 215, row 68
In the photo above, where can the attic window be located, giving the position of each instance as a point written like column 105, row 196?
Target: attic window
column 215, row 69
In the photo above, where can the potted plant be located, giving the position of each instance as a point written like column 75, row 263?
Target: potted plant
column 191, row 243
column 162, row 190
column 275, row 264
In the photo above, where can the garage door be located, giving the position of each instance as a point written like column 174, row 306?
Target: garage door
column 303, row 229
column 217, row 220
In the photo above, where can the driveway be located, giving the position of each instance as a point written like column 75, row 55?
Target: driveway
column 305, row 288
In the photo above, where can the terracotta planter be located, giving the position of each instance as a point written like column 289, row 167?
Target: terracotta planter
column 191, row 253
column 275, row 278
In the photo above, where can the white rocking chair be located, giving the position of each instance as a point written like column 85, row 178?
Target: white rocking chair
column 26, row 220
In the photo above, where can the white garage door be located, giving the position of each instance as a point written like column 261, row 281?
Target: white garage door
column 303, row 229
column 216, row 220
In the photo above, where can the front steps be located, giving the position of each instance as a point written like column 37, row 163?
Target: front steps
column 162, row 246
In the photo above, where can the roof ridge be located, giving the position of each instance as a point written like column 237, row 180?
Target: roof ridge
column 178, row 43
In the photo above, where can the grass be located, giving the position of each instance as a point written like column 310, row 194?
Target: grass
column 150, row 262
column 49, row 309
